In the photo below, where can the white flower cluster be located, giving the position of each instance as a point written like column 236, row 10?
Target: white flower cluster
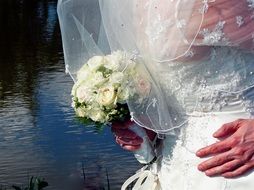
column 104, row 84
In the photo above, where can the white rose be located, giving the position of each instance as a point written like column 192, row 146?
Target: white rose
column 107, row 96
column 117, row 77
column 95, row 62
column 80, row 112
column 97, row 79
column 123, row 95
column 73, row 104
column 83, row 93
column 115, row 61
column 97, row 115
column 84, row 73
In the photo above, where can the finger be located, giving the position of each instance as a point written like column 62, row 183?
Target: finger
column 119, row 125
column 122, row 125
column 227, row 129
column 215, row 148
column 229, row 166
column 131, row 148
column 124, row 133
column 239, row 171
column 215, row 161
column 133, row 142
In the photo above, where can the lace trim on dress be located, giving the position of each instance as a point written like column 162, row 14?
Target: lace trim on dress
column 239, row 21
column 215, row 37
column 205, row 6
column 211, row 85
column 250, row 3
column 157, row 28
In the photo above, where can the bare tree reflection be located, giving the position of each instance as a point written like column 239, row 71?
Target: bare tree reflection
column 29, row 41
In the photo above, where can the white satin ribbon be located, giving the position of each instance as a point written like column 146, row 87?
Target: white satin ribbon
column 146, row 180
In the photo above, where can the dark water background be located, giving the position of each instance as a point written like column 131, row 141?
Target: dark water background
column 39, row 134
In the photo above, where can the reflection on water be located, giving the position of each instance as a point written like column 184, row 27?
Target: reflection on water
column 38, row 131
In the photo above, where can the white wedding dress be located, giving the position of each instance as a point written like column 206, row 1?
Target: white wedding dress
column 207, row 94
column 214, row 86
column 204, row 95
column 221, row 90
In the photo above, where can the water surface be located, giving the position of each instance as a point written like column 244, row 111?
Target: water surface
column 39, row 134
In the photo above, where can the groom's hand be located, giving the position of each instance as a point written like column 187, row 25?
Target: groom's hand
column 233, row 155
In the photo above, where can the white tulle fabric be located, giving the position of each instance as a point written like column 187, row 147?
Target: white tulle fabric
column 169, row 36
column 94, row 27
column 199, row 58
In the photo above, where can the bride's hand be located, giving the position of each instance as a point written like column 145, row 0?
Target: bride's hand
column 233, row 155
column 126, row 138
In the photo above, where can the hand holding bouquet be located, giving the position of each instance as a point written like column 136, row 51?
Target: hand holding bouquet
column 104, row 86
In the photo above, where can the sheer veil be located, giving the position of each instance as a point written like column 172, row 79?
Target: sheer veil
column 155, row 31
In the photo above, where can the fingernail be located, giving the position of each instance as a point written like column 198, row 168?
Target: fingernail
column 226, row 175
column 208, row 173
column 216, row 133
column 200, row 167
column 198, row 153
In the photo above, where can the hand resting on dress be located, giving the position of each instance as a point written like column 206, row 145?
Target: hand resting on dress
column 233, row 155
column 126, row 138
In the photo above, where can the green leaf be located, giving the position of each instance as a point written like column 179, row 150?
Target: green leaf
column 105, row 71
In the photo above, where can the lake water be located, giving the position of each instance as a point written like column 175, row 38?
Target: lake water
column 39, row 135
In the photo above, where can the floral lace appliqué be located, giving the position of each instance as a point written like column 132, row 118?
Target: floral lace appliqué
column 181, row 23
column 205, row 6
column 211, row 85
column 250, row 3
column 216, row 36
column 157, row 27
column 239, row 21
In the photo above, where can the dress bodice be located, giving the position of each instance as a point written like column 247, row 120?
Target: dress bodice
column 225, row 78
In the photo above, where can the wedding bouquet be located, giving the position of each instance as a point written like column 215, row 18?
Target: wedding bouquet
column 104, row 86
